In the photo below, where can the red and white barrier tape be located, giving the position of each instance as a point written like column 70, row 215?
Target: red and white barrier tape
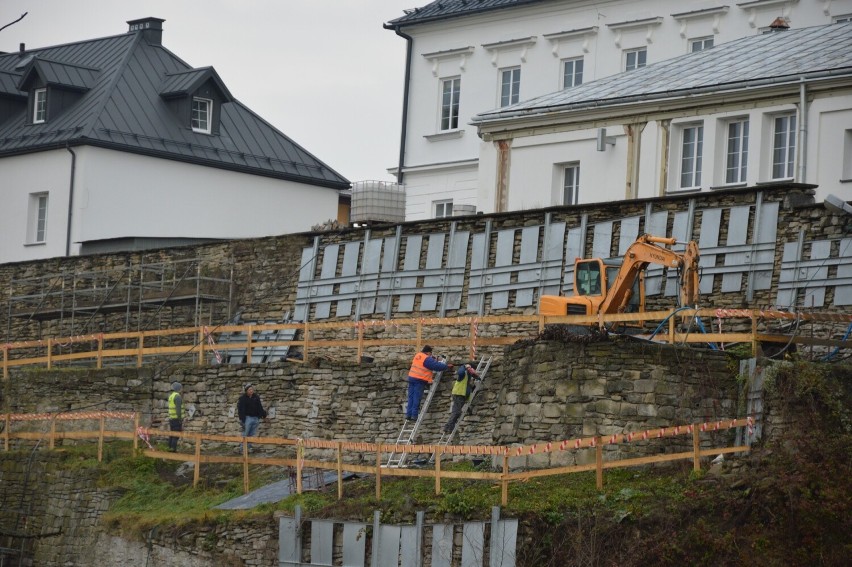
column 212, row 344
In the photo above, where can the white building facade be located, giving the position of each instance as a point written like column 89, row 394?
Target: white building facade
column 466, row 59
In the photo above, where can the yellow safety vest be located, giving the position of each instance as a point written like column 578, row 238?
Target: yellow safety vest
column 173, row 406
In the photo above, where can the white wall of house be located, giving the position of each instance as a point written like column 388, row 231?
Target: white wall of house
column 476, row 49
column 537, row 162
column 23, row 180
column 118, row 194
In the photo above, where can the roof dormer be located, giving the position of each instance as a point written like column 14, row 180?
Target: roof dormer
column 53, row 86
column 196, row 97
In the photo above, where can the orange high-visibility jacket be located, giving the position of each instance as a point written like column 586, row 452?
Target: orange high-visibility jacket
column 418, row 371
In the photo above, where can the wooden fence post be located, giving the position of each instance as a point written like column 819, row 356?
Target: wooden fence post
column 49, row 353
column 671, row 328
column 245, row 467
column 438, row 451
column 378, row 472
column 52, row 443
column 140, row 350
column 300, row 457
column 5, row 350
column 101, row 441
column 339, row 470
column 305, row 344
column 135, row 432
column 504, row 489
column 599, row 462
column 6, row 430
column 248, row 343
column 201, row 343
column 196, row 474
column 696, row 449
column 100, row 362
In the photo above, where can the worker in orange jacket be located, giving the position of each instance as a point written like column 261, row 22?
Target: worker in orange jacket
column 419, row 375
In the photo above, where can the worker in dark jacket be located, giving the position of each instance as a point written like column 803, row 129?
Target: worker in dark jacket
column 466, row 380
column 250, row 411
column 175, row 414
column 419, row 375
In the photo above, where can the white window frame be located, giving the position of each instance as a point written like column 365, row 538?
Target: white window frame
column 701, row 43
column 510, row 86
column 39, row 106
column 782, row 161
column 442, row 209
column 449, row 108
column 736, row 151
column 638, row 52
column 37, row 218
column 691, row 155
column 571, row 183
column 206, row 126
column 575, row 77
column 841, row 19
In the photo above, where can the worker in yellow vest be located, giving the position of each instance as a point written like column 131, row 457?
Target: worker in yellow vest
column 419, row 375
column 175, row 414
column 466, row 381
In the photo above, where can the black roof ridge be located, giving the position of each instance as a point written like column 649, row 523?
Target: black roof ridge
column 193, row 69
column 46, row 60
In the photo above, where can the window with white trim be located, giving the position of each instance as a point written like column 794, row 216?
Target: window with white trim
column 510, row 86
column 571, row 184
column 783, row 146
column 39, row 106
column 736, row 153
column 443, row 208
column 37, row 219
column 450, row 93
column 635, row 58
column 201, row 110
column 845, row 18
column 572, row 72
column 700, row 44
column 692, row 146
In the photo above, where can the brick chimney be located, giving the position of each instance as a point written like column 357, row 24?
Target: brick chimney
column 150, row 28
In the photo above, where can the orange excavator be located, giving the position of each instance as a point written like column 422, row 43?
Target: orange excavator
column 601, row 286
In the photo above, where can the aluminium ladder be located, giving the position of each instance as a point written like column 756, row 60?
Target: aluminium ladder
column 409, row 428
column 481, row 370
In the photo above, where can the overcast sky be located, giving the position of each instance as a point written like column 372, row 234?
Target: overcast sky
column 324, row 72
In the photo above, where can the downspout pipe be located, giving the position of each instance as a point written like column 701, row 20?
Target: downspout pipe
column 70, row 201
column 405, row 93
column 803, row 131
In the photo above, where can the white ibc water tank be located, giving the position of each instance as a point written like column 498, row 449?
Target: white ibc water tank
column 377, row 201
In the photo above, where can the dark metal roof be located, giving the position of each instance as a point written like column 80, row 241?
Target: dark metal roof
column 765, row 59
column 446, row 9
column 123, row 110
column 186, row 82
column 54, row 73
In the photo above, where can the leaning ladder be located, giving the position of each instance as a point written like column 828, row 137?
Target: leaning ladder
column 482, row 370
column 409, row 428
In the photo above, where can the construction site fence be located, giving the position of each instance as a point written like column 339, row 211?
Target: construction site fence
column 205, row 344
column 375, row 453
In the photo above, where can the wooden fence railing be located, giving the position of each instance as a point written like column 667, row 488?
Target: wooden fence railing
column 200, row 342
column 376, row 451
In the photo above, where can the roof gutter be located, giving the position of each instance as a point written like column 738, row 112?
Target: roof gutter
column 405, row 95
column 803, row 130
column 70, row 201
column 602, row 103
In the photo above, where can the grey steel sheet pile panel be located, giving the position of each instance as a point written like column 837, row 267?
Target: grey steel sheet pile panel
column 529, row 269
column 289, row 542
column 628, row 234
column 389, row 545
column 811, row 275
column 324, row 288
column 554, row 247
column 306, row 279
column 843, row 291
column 433, row 278
column 503, row 545
column 409, row 554
column 734, row 258
column 442, row 545
column 656, row 224
column 574, row 248
column 387, row 280
column 369, row 280
column 456, row 264
column 322, row 542
column 354, row 544
column 478, row 263
column 681, row 234
column 408, row 278
column 602, row 240
column 348, row 289
column 762, row 263
column 473, row 544
column 498, row 277
column 708, row 242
